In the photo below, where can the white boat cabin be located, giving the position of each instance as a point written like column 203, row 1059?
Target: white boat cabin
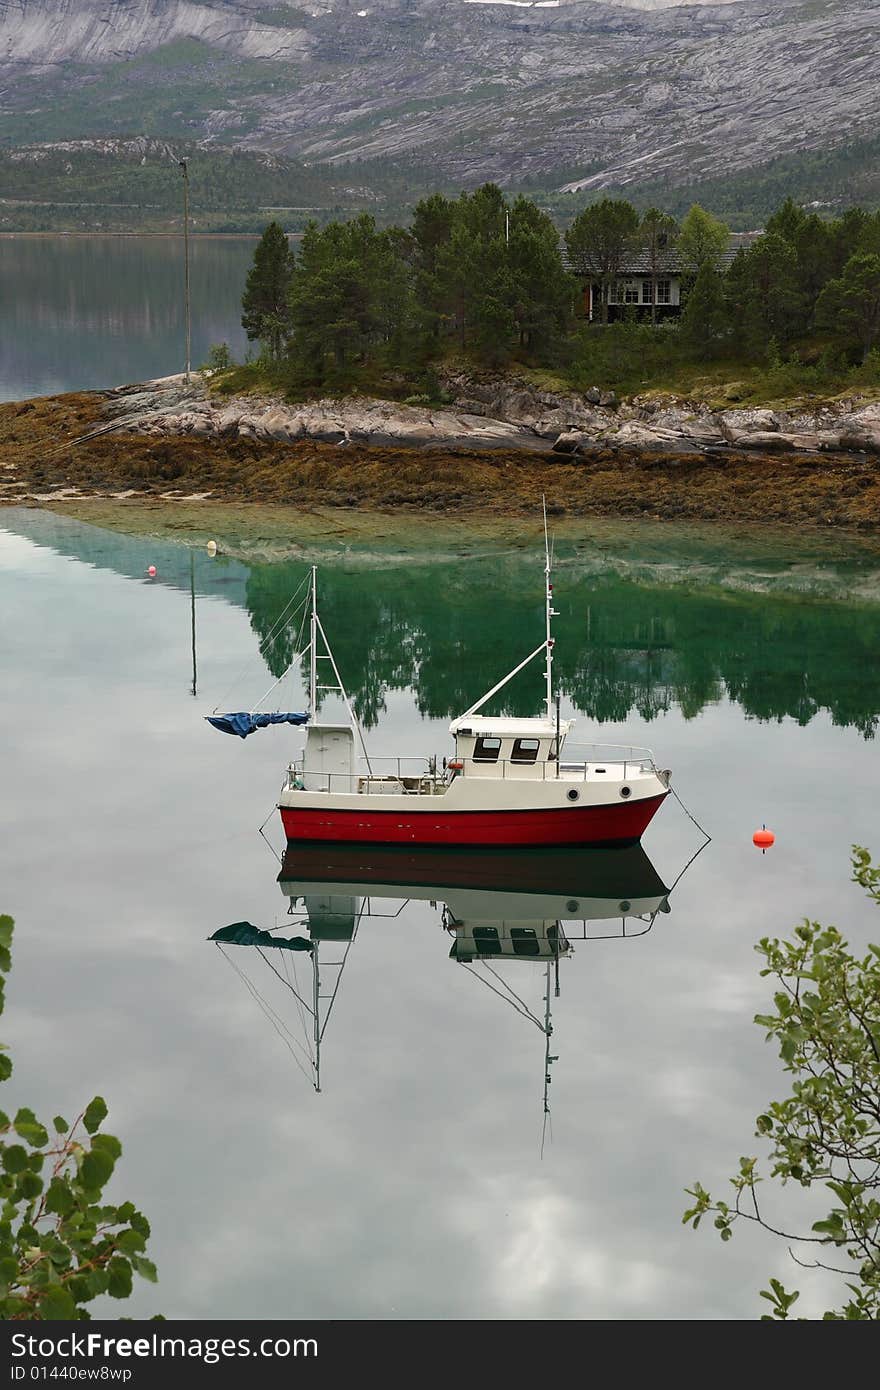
column 329, row 754
column 505, row 747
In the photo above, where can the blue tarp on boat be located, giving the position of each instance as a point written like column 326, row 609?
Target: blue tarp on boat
column 244, row 724
column 246, row 934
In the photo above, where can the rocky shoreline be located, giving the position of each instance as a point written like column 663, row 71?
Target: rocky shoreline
column 494, row 451
column 500, row 412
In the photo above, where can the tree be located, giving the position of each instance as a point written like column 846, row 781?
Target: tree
column 851, row 304
column 61, row 1246
column 431, row 230
column 350, row 293
column 826, row 1133
column 658, row 231
column 704, row 321
column 702, row 240
column 599, row 240
column 787, row 221
column 541, row 288
column 763, row 288
column 266, row 315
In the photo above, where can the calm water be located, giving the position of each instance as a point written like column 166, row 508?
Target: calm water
column 99, row 311
column 413, row 1185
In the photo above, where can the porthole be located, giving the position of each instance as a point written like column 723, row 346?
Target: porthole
column 572, row 905
column 573, row 795
column 624, row 906
column 626, row 791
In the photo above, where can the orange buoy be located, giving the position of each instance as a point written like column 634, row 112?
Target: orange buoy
column 151, row 571
column 763, row 839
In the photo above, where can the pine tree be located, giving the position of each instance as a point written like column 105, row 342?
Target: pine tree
column 763, row 285
column 704, row 321
column 266, row 314
column 851, row 304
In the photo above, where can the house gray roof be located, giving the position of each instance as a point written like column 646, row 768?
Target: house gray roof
column 638, row 262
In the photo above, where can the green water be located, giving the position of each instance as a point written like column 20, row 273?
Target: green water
column 413, row 1184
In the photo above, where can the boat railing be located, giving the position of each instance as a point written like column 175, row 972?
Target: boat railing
column 385, row 776
column 610, row 752
column 425, row 777
column 569, row 771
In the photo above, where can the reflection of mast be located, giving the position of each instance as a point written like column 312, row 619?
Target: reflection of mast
column 192, row 596
column 476, row 943
column 330, row 919
column 548, row 1033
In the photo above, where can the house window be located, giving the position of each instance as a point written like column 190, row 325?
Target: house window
column 487, row 750
column 525, row 750
column 647, row 295
column 664, row 291
column 631, row 293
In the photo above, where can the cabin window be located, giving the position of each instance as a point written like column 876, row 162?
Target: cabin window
column 664, row 291
column 525, row 750
column 487, row 941
column 524, row 941
column 487, row 750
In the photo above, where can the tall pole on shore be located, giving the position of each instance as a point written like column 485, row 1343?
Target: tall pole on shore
column 185, row 172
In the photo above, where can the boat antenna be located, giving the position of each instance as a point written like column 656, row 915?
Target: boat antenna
column 551, row 613
column 313, row 649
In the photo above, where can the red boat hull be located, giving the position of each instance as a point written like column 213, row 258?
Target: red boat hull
column 582, row 825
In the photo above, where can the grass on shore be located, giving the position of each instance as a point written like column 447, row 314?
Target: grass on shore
column 810, row 378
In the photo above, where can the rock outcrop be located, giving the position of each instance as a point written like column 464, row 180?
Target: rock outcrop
column 169, row 407
column 491, row 412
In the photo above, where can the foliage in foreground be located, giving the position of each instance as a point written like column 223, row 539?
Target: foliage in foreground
column 826, row 1021
column 60, row 1244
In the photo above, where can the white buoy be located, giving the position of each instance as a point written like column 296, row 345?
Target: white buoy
column 211, row 547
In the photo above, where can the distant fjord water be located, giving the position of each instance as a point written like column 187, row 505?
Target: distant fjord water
column 88, row 312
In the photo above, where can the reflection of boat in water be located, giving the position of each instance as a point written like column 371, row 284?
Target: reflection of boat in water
column 583, row 884
column 499, row 907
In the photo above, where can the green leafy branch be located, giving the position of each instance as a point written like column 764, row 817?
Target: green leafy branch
column 61, row 1245
column 826, row 1132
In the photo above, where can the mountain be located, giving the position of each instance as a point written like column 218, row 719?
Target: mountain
column 558, row 94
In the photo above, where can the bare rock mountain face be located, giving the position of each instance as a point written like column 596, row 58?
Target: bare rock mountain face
column 568, row 93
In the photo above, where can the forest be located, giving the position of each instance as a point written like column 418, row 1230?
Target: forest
column 492, row 282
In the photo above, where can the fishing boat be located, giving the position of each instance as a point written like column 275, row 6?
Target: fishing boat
column 508, row 782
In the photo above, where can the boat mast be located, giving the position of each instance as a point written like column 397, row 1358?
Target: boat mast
column 313, row 650
column 551, row 613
